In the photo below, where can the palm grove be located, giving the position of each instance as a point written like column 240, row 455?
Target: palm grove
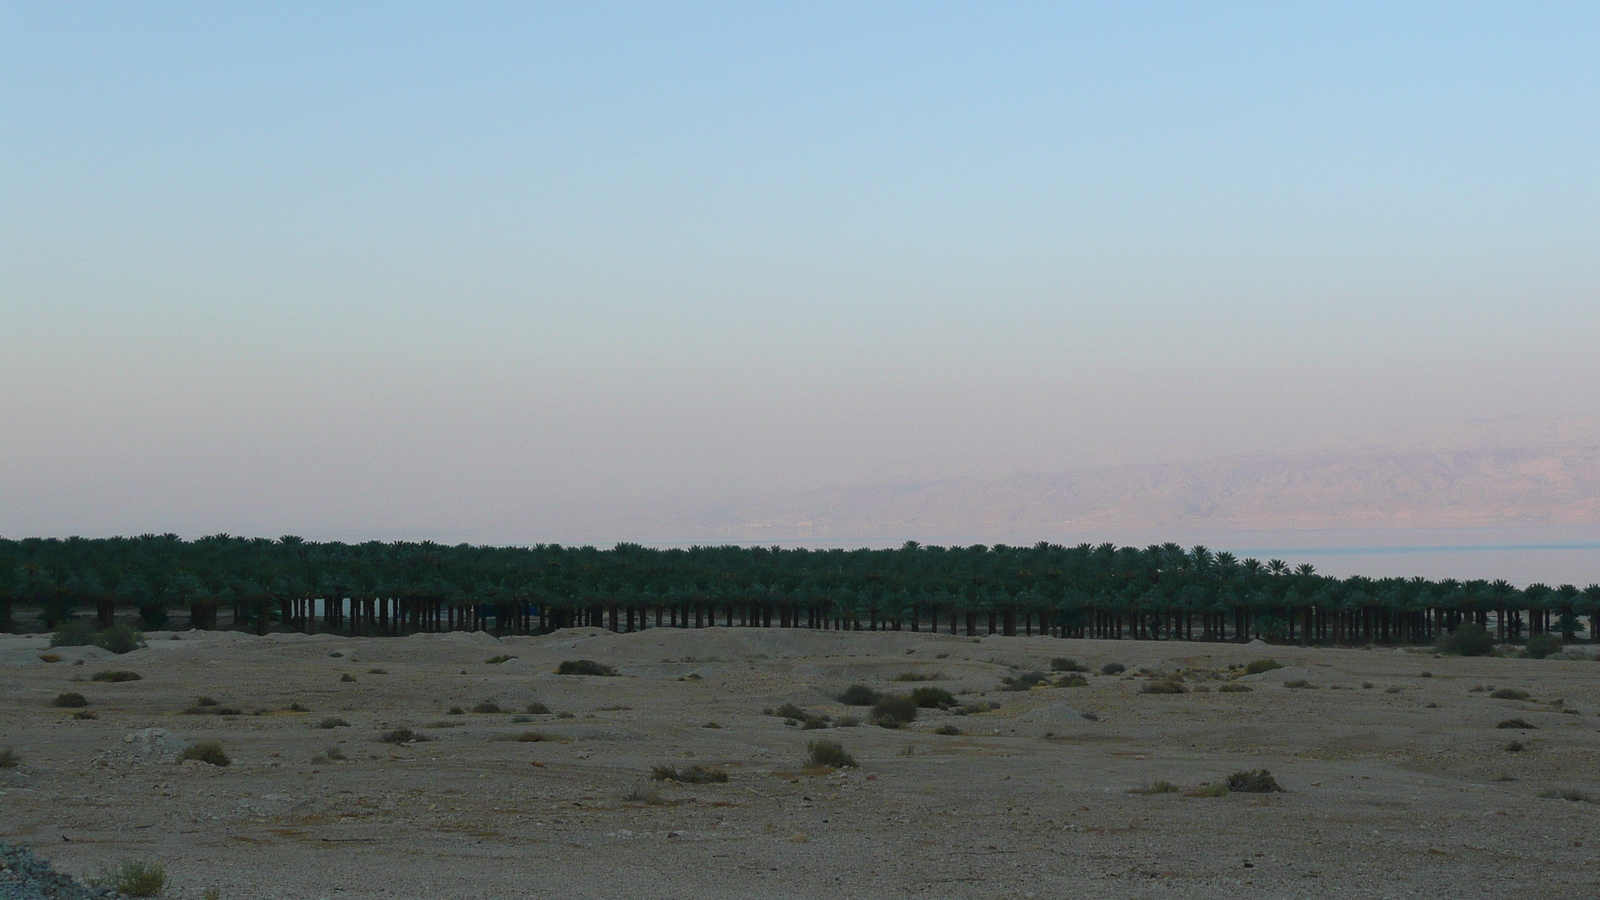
column 1160, row 592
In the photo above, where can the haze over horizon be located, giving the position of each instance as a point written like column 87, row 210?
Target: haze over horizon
column 513, row 274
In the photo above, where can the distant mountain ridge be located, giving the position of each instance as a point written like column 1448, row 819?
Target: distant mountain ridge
column 1494, row 484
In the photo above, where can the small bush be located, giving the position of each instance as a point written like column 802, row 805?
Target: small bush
column 584, row 667
column 377, row 671
column 332, row 722
column 50, row 657
column 497, row 660
column 1515, row 747
column 1162, row 686
column 1155, row 787
column 119, row 639
column 1511, row 694
column 296, row 707
column 9, row 758
column 1220, row 789
column 1572, row 794
column 488, row 707
column 846, row 722
column 523, row 737
column 893, row 712
column 204, row 701
column 402, row 736
column 1257, row 666
column 334, row 753
column 536, row 709
column 566, row 715
column 1297, row 683
column 948, row 730
column 1259, row 781
column 137, row 879
column 1067, row 664
column 84, row 715
column 789, row 711
column 1470, row 639
column 1113, row 668
column 829, row 753
column 1234, row 688
column 209, row 752
column 917, row 676
column 711, row 725
column 455, row 711
column 69, row 700
column 933, row 698
column 691, row 775
column 1521, row 724
column 73, row 633
column 1541, row 645
column 115, row 677
column 858, row 695
column 1024, row 682
column 347, row 678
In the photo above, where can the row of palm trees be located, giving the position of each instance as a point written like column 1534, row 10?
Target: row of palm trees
column 1157, row 592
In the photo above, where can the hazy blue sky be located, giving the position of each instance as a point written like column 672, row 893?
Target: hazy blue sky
column 399, row 269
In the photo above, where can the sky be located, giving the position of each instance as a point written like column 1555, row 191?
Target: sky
column 489, row 271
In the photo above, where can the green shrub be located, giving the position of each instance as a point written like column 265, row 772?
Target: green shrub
column 488, row 707
column 1470, row 639
column 523, row 737
column 207, row 752
column 84, row 715
column 119, row 639
column 691, row 775
column 69, row 700
column 332, row 722
column 1511, row 694
column 1113, row 668
column 536, row 709
column 1516, row 747
column 1256, row 782
column 915, row 676
column 137, row 879
column 1297, row 683
column 949, row 730
column 1256, row 667
column 584, row 667
column 455, row 711
column 1542, row 645
column 115, row 677
column 1162, row 686
column 1067, row 664
column 73, row 633
column 830, row 753
column 377, row 671
column 858, row 695
column 1071, row 681
column 789, row 711
column 497, row 660
column 711, row 725
column 1220, row 789
column 933, row 698
column 9, row 758
column 893, row 712
column 846, row 722
column 1521, row 724
column 1234, row 688
column 347, row 678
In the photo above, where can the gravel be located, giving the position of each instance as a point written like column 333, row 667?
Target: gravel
column 24, row 876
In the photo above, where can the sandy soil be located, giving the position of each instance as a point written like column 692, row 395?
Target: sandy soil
column 1398, row 783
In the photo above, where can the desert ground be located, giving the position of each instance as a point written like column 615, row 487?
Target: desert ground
column 1397, row 782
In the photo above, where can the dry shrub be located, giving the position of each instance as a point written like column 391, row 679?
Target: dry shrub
column 1511, row 694
column 1162, row 686
column 1113, row 668
column 115, row 677
column 497, row 660
column 9, row 758
column 1067, row 664
column 488, row 707
column 402, row 736
column 1220, row 789
column 893, row 712
column 1155, row 787
column 135, row 878
column 536, row 709
column 1233, row 688
column 948, row 730
column 933, row 698
column 1520, row 724
column 69, row 700
column 691, row 775
column 333, row 722
column 1257, row 666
